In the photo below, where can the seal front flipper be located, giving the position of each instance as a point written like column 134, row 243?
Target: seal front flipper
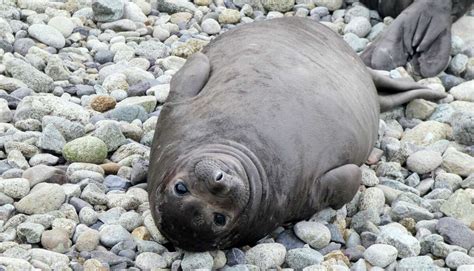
column 190, row 79
column 417, row 30
column 338, row 186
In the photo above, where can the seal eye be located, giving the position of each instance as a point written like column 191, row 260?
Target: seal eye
column 180, row 188
column 219, row 176
column 219, row 219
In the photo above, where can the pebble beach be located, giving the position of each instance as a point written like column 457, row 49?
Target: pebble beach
column 82, row 83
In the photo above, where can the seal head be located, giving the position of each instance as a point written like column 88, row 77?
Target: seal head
column 202, row 200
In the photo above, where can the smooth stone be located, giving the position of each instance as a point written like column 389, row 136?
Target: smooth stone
column 29, row 75
column 47, row 35
column 424, row 161
column 397, row 236
column 457, row 162
column 455, row 232
column 16, row 188
column 460, row 207
column 150, row 260
column 88, row 149
column 301, row 257
column 30, row 232
column 63, row 24
column 197, row 260
column 110, row 235
column 56, row 240
column 44, row 198
column 266, row 255
column 107, row 11
column 381, row 255
column 313, row 233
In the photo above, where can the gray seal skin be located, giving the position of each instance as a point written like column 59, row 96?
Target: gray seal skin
column 420, row 35
column 268, row 125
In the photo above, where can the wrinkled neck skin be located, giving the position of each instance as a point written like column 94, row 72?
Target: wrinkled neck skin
column 252, row 220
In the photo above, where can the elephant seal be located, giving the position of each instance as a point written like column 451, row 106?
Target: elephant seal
column 267, row 125
column 420, row 35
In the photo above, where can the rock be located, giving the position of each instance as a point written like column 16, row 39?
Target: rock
column 15, row 264
column 16, row 188
column 464, row 91
column 6, row 114
column 278, row 5
column 402, row 209
column 427, row 133
column 357, row 44
column 424, row 161
column 88, row 149
column 197, row 260
column 313, row 233
column 56, row 240
column 47, row 35
column 455, row 232
column 44, row 198
column 420, row 109
column 50, row 258
column 102, row 103
column 460, row 207
column 62, row 24
column 56, row 69
column 458, row 64
column 359, row 26
column 51, row 139
column 173, row 6
column 299, row 258
column 107, row 10
column 111, row 235
column 127, row 113
column 152, row 49
column 457, row 162
column 150, row 260
column 229, row 16
column 104, row 56
column 43, row 173
column 267, row 255
column 448, row 181
column 115, row 81
column 30, row 232
column 147, row 102
column 422, row 262
column 332, row 5
column 463, row 128
column 109, row 132
column 36, row 107
column 29, row 75
column 87, row 240
column 133, row 12
column 380, row 255
column 69, row 129
column 211, row 26
column 372, row 198
column 457, row 258
column 397, row 236
column 356, row 11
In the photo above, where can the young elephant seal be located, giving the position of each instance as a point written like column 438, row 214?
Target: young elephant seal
column 267, row 125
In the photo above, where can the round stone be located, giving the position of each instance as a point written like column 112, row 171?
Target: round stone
column 359, row 26
column 44, row 198
column 88, row 240
column 62, row 24
column 329, row 4
column 56, row 240
column 111, row 235
column 278, row 5
column 150, row 260
column 229, row 16
column 372, row 198
column 313, row 233
column 47, row 35
column 424, row 161
column 211, row 26
column 380, row 255
column 197, row 260
column 266, row 256
column 299, row 258
column 457, row 258
column 86, row 149
column 102, row 103
column 30, row 232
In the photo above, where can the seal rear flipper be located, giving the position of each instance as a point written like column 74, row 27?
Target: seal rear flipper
column 190, row 79
column 338, row 186
column 384, row 83
column 389, row 101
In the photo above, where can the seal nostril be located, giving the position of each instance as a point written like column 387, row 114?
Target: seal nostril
column 219, row 176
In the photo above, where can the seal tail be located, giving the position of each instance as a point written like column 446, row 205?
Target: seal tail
column 393, row 93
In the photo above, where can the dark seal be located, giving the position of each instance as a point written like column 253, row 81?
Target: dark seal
column 267, row 125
